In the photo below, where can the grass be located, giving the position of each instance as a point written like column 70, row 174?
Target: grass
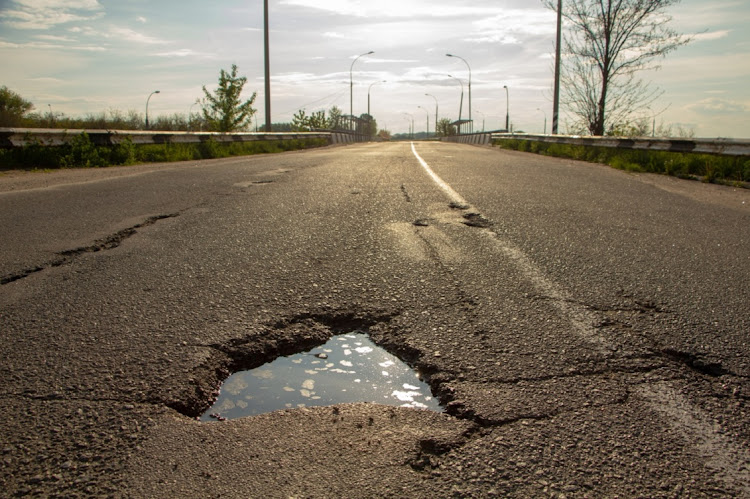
column 731, row 170
column 80, row 152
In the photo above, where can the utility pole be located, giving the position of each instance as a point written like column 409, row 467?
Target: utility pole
column 268, row 66
column 556, row 104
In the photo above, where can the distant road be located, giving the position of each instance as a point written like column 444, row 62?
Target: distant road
column 586, row 328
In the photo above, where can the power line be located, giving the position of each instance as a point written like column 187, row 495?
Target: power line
column 310, row 104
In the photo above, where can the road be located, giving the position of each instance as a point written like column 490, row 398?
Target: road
column 586, row 328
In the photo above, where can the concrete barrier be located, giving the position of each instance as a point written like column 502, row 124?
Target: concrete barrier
column 19, row 137
column 481, row 139
column 724, row 147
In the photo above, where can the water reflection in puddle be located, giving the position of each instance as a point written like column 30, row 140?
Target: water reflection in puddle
column 348, row 368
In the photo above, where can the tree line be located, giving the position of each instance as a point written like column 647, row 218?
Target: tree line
column 222, row 110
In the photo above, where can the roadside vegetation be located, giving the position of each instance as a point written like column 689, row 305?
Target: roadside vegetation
column 222, row 110
column 705, row 167
column 82, row 152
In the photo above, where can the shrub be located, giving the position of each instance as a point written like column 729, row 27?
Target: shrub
column 82, row 152
column 123, row 153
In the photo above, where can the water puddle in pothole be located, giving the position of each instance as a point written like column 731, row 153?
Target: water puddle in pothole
column 348, row 368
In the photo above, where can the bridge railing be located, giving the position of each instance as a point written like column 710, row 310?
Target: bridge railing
column 20, row 137
column 723, row 147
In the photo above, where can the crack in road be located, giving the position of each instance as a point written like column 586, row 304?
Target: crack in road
column 104, row 244
column 724, row 454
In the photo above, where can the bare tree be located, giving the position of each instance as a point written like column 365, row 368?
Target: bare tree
column 608, row 42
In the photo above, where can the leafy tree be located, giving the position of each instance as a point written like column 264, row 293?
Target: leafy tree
column 444, row 128
column 366, row 125
column 12, row 107
column 223, row 110
column 300, row 120
column 317, row 120
column 335, row 119
column 384, row 134
column 608, row 43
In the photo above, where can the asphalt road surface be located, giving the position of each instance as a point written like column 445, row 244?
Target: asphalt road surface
column 586, row 329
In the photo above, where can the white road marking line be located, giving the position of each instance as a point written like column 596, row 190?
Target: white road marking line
column 453, row 195
column 581, row 318
column 723, row 454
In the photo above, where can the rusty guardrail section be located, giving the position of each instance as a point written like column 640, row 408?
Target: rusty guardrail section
column 19, row 137
column 723, row 147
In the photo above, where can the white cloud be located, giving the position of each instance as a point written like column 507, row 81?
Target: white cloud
column 414, row 9
column 45, row 14
column 184, row 53
column 50, row 46
column 53, row 38
column 503, row 39
column 714, row 105
column 331, row 34
column 133, row 36
column 141, row 19
column 709, row 36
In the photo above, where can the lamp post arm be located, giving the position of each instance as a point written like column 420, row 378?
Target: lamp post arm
column 147, row 100
column 351, row 83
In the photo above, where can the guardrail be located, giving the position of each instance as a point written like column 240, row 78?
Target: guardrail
column 19, row 137
column 480, row 139
column 723, row 147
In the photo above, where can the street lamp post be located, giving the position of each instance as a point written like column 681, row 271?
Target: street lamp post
column 556, row 99
column 190, row 115
column 411, row 129
column 351, row 83
column 267, row 66
column 471, row 124
column 461, row 105
column 483, row 117
column 436, row 112
column 507, row 109
column 428, row 119
column 545, row 119
column 149, row 98
column 368, row 95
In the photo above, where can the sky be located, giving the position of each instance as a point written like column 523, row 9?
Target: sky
column 91, row 56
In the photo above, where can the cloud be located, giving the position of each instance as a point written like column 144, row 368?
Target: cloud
column 51, row 46
column 715, row 105
column 503, row 39
column 715, row 35
column 133, row 36
column 184, row 53
column 141, row 19
column 331, row 34
column 414, row 9
column 52, row 38
column 45, row 14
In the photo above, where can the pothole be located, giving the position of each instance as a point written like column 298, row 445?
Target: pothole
column 476, row 220
column 348, row 368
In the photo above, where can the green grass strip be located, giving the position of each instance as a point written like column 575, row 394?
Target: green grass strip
column 731, row 170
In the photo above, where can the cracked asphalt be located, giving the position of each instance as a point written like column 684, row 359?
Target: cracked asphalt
column 585, row 328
